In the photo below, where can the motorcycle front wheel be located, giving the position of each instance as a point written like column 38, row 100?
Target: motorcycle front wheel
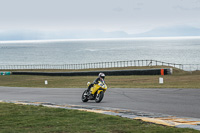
column 84, row 96
column 99, row 97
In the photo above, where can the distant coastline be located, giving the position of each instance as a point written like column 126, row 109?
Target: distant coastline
column 99, row 39
column 159, row 32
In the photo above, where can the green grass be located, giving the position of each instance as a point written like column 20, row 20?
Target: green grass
column 38, row 119
column 179, row 79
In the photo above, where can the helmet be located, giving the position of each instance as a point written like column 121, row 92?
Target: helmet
column 102, row 75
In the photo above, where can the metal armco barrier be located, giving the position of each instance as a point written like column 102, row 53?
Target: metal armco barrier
column 130, row 63
column 167, row 71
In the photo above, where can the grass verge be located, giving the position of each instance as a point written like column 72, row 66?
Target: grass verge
column 36, row 119
column 179, row 79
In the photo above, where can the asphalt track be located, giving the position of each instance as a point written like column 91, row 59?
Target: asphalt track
column 177, row 102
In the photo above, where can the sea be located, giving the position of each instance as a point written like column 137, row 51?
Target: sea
column 181, row 50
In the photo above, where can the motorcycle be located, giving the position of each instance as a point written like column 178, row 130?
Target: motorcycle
column 96, row 92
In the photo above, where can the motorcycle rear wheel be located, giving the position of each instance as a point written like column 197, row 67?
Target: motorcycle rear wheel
column 99, row 97
column 84, row 96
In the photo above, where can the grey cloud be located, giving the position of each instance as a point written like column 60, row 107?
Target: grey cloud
column 118, row 9
column 187, row 9
column 137, row 8
column 106, row 15
column 140, row 4
column 187, row 5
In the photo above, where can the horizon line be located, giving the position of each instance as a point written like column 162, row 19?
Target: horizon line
column 96, row 39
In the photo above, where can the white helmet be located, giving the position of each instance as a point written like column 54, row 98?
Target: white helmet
column 102, row 75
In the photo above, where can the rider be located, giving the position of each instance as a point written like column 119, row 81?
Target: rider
column 101, row 77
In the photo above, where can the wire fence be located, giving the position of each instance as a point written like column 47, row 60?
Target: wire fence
column 135, row 63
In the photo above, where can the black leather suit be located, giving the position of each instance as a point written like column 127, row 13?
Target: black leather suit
column 96, row 81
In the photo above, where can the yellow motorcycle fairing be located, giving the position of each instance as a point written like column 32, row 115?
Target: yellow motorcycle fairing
column 101, row 86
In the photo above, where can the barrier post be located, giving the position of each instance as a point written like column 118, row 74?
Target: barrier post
column 162, row 72
column 161, row 80
column 45, row 82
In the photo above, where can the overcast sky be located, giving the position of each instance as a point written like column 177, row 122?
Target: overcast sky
column 131, row 16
